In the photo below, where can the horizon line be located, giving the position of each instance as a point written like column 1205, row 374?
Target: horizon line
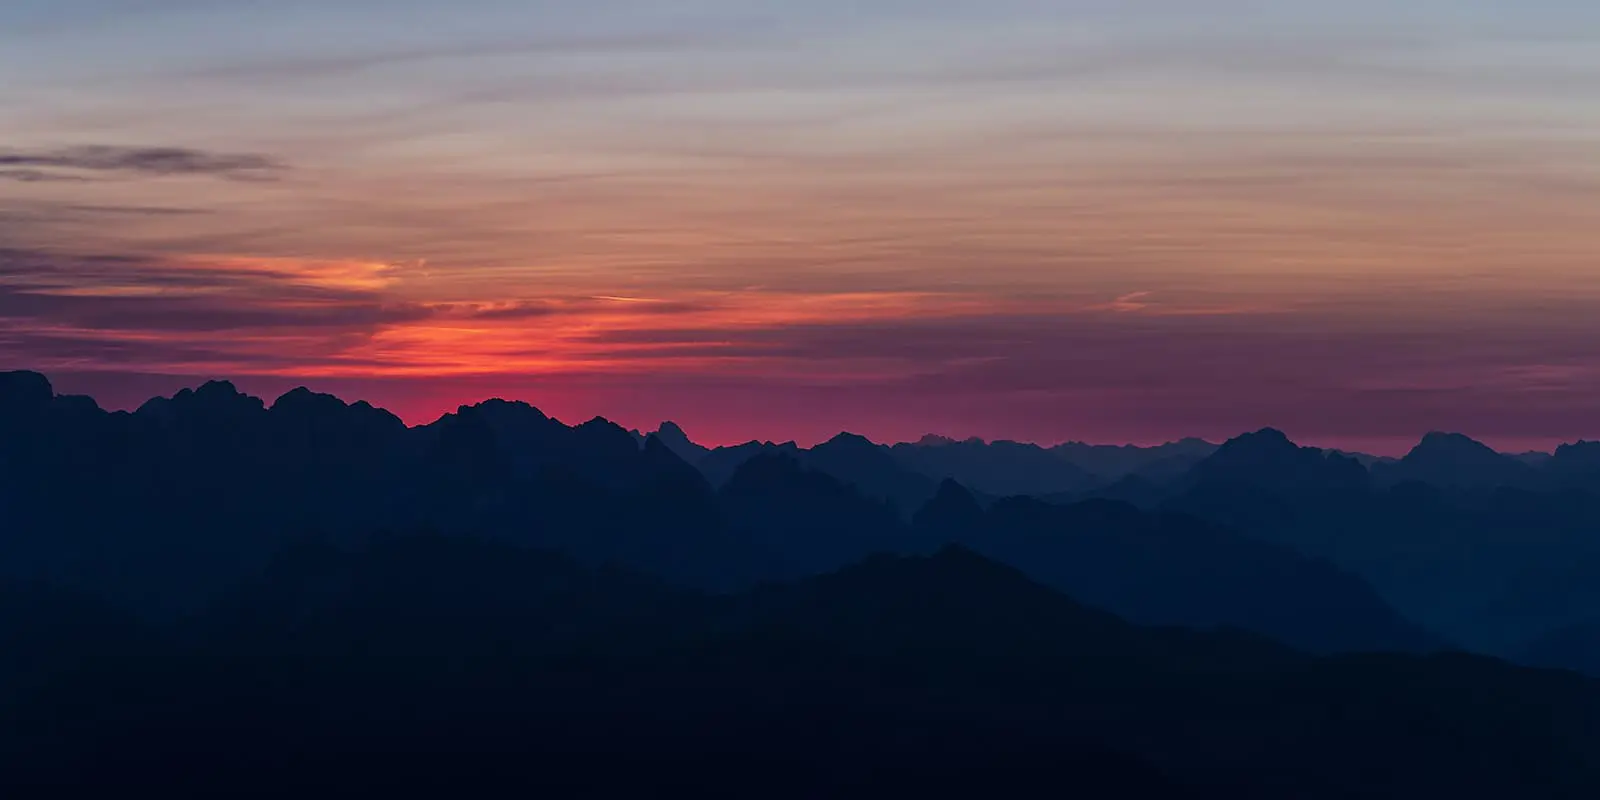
column 641, row 431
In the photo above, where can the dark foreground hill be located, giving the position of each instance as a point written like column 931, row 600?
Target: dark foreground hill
column 432, row 664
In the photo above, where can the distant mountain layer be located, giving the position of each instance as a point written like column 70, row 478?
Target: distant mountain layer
column 908, row 472
column 193, row 493
column 163, row 508
column 1005, row 468
column 1476, row 545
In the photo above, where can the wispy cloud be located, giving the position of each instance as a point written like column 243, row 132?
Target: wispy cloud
column 324, row 66
column 1129, row 303
column 1144, row 303
column 68, row 163
column 38, row 176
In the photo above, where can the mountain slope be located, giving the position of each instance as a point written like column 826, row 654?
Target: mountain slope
column 1454, row 460
column 1171, row 569
column 448, row 662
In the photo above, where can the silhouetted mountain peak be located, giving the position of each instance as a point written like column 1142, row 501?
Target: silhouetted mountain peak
column 522, row 427
column 756, row 444
column 936, row 440
column 213, row 400
column 851, row 441
column 1452, row 459
column 327, row 415
column 23, row 391
column 602, row 450
column 1262, row 449
column 1574, row 465
column 1266, row 440
column 1438, row 444
column 1269, row 459
column 302, row 399
column 497, row 408
column 1584, row 452
column 679, row 442
column 872, row 468
column 219, row 392
column 600, row 430
column 856, row 453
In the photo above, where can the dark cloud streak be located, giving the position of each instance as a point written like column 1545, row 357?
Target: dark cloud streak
column 111, row 295
column 38, row 176
column 150, row 295
column 64, row 163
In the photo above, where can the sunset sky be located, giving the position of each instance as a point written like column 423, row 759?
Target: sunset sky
column 1110, row 220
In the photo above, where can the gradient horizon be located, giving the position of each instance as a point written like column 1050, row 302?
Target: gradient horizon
column 1019, row 219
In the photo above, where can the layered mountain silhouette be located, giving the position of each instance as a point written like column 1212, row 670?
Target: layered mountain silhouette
column 1484, row 549
column 992, row 469
column 309, row 587
column 871, row 468
column 448, row 661
column 1173, row 569
column 207, row 483
column 1000, row 468
column 678, row 442
column 133, row 499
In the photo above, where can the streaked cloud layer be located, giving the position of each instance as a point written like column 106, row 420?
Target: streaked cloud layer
column 1075, row 218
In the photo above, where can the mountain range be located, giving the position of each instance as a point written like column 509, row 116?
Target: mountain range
column 1254, row 618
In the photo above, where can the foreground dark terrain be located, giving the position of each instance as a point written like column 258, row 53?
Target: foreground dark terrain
column 218, row 596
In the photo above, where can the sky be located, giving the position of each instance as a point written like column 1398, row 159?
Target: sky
column 1102, row 220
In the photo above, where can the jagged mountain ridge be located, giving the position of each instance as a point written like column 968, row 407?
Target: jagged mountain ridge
column 167, row 478
column 1514, row 567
